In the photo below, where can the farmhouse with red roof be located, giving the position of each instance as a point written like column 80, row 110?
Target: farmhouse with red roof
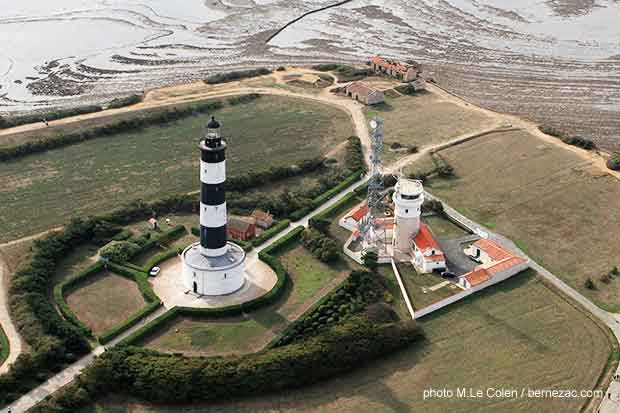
column 395, row 69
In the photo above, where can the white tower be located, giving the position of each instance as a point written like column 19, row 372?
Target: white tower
column 408, row 198
column 213, row 266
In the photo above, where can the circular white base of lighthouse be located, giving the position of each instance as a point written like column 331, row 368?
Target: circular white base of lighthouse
column 213, row 276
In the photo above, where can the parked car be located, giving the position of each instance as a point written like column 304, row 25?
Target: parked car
column 154, row 271
column 448, row 274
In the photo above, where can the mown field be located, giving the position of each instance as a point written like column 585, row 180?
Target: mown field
column 562, row 211
column 513, row 335
column 424, row 119
column 105, row 300
column 43, row 190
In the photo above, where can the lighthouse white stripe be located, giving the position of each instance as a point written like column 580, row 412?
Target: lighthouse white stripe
column 214, row 252
column 212, row 173
column 212, row 216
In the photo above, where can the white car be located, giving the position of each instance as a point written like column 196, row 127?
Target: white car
column 154, row 271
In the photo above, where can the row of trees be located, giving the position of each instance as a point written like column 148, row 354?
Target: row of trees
column 321, row 246
column 138, row 122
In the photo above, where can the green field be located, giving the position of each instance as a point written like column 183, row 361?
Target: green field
column 443, row 228
column 43, row 190
column 416, row 284
column 513, row 335
column 105, row 300
column 424, row 119
column 220, row 336
column 554, row 204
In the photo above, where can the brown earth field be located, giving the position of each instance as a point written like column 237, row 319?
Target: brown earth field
column 553, row 203
column 518, row 334
column 105, row 300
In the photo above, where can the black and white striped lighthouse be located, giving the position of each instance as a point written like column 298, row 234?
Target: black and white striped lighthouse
column 213, row 266
column 212, row 193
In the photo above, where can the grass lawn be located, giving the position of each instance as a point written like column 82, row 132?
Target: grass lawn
column 559, row 208
column 105, row 300
column 310, row 277
column 424, row 119
column 417, row 283
column 100, row 174
column 219, row 336
column 443, row 228
column 515, row 334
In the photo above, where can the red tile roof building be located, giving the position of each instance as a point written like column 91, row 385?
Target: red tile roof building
column 364, row 93
column 427, row 253
column 496, row 262
column 241, row 228
column 398, row 70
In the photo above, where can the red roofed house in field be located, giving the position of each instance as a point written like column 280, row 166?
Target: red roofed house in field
column 263, row 219
column 427, row 254
column 352, row 220
column 364, row 93
column 397, row 70
column 241, row 228
column 497, row 264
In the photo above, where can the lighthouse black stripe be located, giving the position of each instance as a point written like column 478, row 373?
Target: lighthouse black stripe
column 212, row 194
column 213, row 238
column 213, row 156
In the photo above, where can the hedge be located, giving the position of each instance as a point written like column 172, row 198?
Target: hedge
column 144, row 373
column 147, row 292
column 9, row 122
column 613, row 162
column 62, row 289
column 161, row 257
column 569, row 140
column 134, row 319
column 271, row 232
column 233, row 310
column 138, row 276
column 237, row 100
column 326, row 196
column 5, row 348
column 125, row 101
column 332, row 209
column 45, row 144
column 360, row 289
column 236, row 75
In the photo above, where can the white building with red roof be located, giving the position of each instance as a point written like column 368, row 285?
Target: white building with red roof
column 353, row 218
column 427, row 255
column 496, row 264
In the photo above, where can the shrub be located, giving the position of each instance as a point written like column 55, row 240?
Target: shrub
column 589, row 284
column 321, row 246
column 605, row 278
column 120, row 251
column 281, row 69
column 236, row 75
column 271, row 232
column 125, row 101
column 354, row 157
column 370, row 260
column 613, row 163
column 236, row 100
column 9, row 122
column 143, row 373
column 326, row 67
column 358, row 291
